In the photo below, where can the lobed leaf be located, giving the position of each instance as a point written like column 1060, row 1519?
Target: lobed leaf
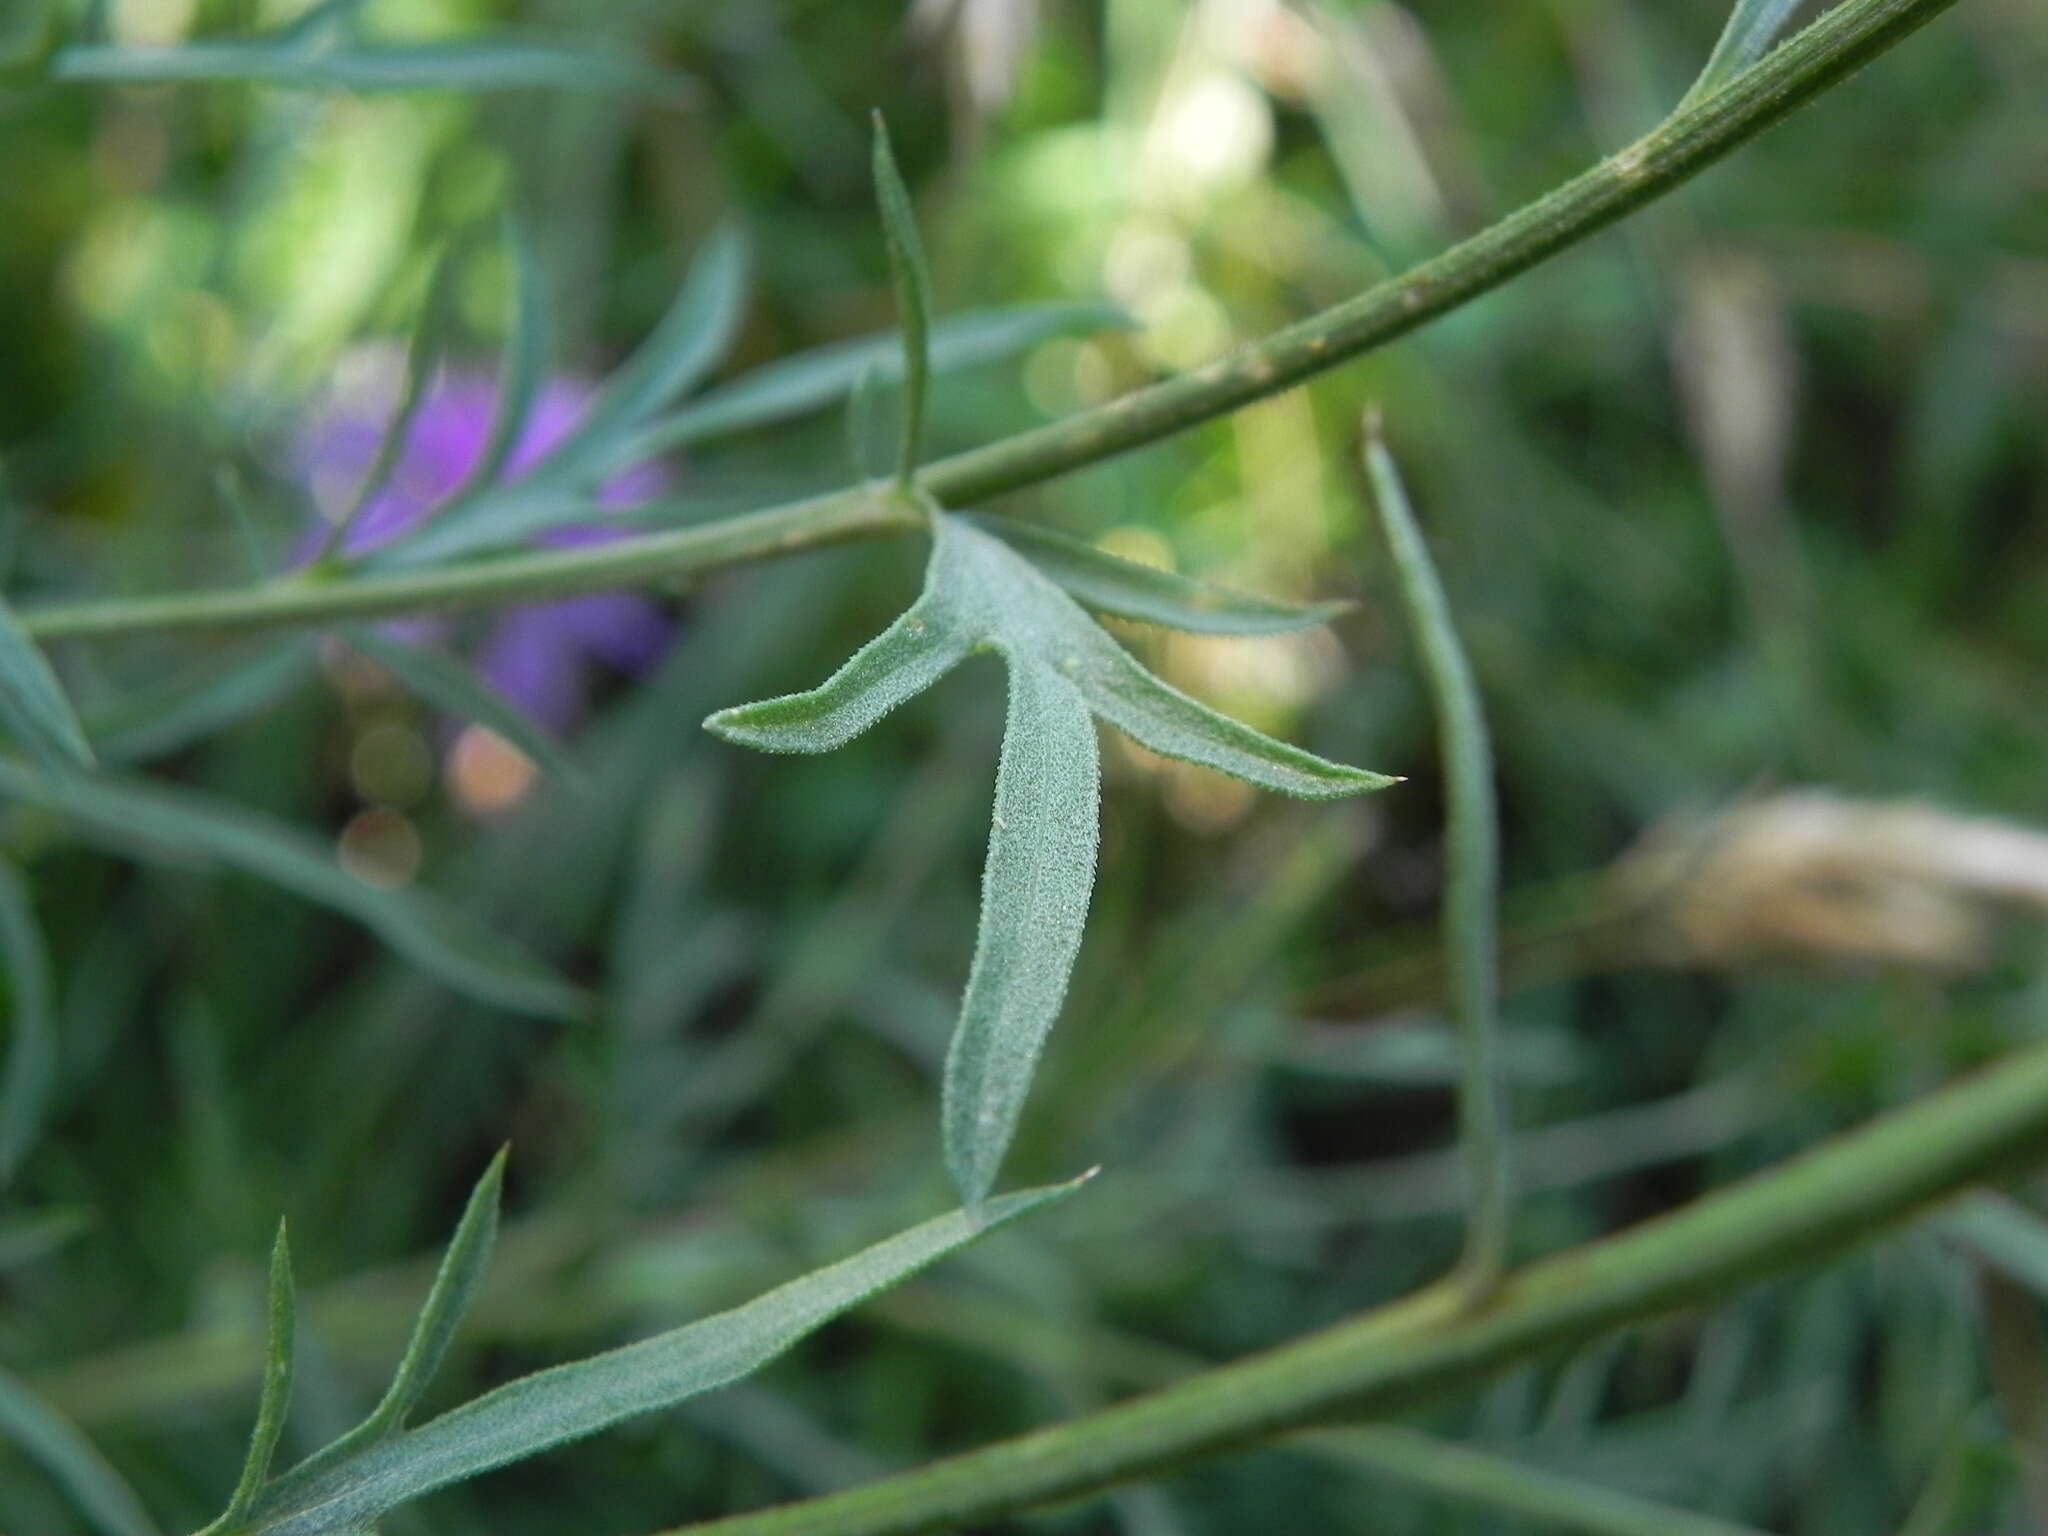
column 568, row 1402
column 1128, row 590
column 156, row 820
column 455, row 1283
column 979, row 594
column 30, row 1071
column 32, row 702
column 911, row 279
column 279, row 1347
column 54, row 1443
column 448, row 685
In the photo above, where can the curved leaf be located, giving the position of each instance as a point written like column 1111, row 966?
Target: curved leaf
column 448, row 685
column 32, row 701
column 1128, row 590
column 30, row 1071
column 912, row 281
column 1034, row 903
column 158, row 820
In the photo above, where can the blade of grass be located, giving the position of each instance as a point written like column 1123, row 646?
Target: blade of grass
column 32, row 702
column 30, row 1072
column 47, row 1438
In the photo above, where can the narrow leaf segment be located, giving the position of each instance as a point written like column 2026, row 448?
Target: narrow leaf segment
column 1471, row 918
column 381, row 1465
column 982, row 595
column 913, row 287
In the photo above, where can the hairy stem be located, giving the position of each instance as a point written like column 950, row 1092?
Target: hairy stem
column 1679, row 148
column 1803, row 1211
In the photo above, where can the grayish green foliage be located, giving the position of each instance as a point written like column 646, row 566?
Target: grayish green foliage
column 30, row 1070
column 690, row 340
column 178, row 825
column 32, row 702
column 1125, row 589
column 422, row 363
column 823, row 376
column 380, row 1465
column 51, row 1441
column 529, row 345
column 1472, row 885
column 280, row 1345
column 1753, row 28
column 981, row 595
column 448, row 685
column 911, row 279
column 462, row 1270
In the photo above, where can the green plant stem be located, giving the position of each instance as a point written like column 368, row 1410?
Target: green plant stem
column 1803, row 1211
column 1682, row 146
column 1471, row 921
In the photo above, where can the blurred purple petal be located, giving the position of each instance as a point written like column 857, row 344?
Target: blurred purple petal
column 536, row 656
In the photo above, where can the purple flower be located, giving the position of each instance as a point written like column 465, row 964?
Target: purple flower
column 537, row 656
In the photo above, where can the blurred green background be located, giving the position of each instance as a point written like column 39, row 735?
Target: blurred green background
column 1743, row 509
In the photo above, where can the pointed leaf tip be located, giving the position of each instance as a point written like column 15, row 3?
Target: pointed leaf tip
column 911, row 279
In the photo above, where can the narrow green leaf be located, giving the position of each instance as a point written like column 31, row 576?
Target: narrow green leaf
column 462, row 1270
column 922, row 646
column 1034, row 903
column 824, row 376
column 422, row 364
column 274, row 1401
column 289, row 65
column 30, row 1071
column 32, row 702
column 162, row 821
column 157, row 721
column 690, row 340
column 1472, row 886
column 566, row 1403
column 55, row 1444
column 1129, row 590
column 912, row 281
column 1752, row 29
column 980, row 594
column 2002, row 1232
column 448, row 685
column 322, row 20
column 529, row 343
column 234, row 496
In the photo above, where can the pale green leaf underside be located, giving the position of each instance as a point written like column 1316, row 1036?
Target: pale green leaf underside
column 981, row 595
column 569, row 1402
column 32, row 702
column 1127, row 590
column 160, row 820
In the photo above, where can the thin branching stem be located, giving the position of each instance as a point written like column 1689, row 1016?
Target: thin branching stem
column 1679, row 148
column 1471, row 921
column 1804, row 1211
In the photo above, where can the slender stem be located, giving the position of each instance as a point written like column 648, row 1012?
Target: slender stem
column 1802, row 1211
column 1471, row 902
column 1685, row 144
column 306, row 599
